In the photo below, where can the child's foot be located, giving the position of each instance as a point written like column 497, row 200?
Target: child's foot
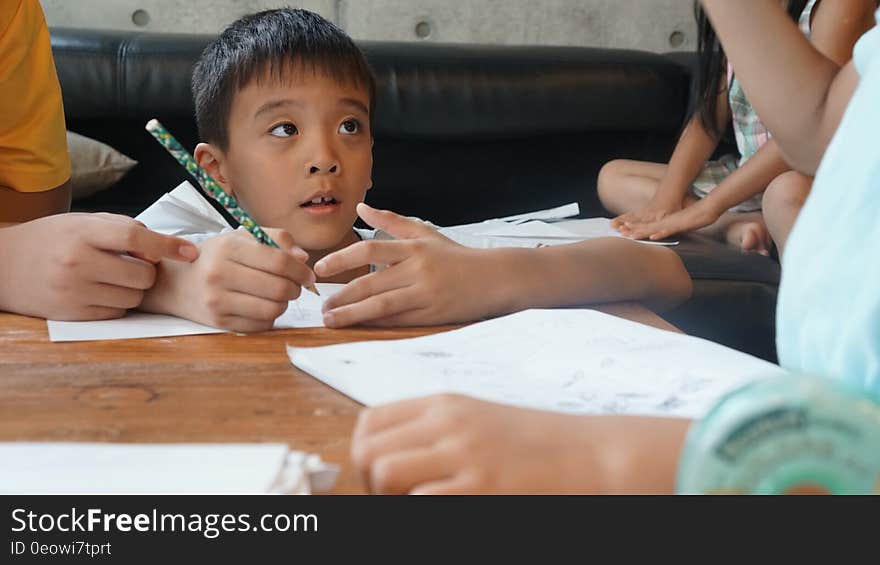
column 749, row 235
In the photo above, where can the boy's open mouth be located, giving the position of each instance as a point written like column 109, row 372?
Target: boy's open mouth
column 320, row 201
column 320, row 205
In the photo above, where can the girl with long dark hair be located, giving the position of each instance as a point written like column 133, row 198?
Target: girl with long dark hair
column 726, row 197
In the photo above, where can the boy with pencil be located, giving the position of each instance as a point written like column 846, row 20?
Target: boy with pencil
column 284, row 101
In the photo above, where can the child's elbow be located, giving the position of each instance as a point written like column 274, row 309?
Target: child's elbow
column 672, row 285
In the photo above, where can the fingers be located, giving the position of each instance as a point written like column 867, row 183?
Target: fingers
column 458, row 484
column 242, row 325
column 110, row 268
column 375, row 307
column 620, row 220
column 235, row 277
column 652, row 230
column 394, row 224
column 640, row 231
column 112, row 297
column 103, row 313
column 278, row 262
column 375, row 420
column 400, row 472
column 371, row 252
column 414, row 317
column 121, row 236
column 415, row 434
column 285, row 242
column 366, row 286
column 240, row 312
column 88, row 313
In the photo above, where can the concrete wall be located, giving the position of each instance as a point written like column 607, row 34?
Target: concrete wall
column 653, row 25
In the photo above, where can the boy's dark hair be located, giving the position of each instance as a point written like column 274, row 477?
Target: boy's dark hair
column 713, row 66
column 270, row 43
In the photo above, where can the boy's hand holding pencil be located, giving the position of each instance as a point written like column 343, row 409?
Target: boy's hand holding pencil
column 237, row 284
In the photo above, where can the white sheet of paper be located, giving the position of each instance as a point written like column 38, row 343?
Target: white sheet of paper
column 566, row 231
column 107, row 468
column 578, row 361
column 592, row 228
column 532, row 229
column 564, row 211
column 534, row 233
column 304, row 312
column 470, row 235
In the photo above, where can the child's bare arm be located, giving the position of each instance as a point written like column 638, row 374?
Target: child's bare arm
column 803, row 103
column 694, row 148
column 18, row 206
column 433, row 280
column 451, row 444
column 742, row 184
column 591, row 272
column 838, row 25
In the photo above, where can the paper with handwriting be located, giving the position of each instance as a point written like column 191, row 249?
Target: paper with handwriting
column 571, row 360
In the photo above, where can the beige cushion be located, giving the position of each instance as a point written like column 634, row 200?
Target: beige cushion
column 94, row 166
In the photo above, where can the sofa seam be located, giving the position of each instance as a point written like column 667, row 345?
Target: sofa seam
column 121, row 55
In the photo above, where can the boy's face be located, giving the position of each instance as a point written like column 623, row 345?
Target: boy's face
column 299, row 156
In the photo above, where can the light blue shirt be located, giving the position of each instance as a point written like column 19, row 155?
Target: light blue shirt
column 828, row 319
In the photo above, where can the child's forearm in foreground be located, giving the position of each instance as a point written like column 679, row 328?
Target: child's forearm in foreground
column 450, row 444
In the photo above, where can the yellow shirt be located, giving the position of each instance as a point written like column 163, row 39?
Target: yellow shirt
column 33, row 143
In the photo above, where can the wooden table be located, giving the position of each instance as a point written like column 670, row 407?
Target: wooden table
column 210, row 388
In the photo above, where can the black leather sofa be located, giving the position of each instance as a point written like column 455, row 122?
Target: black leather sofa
column 461, row 133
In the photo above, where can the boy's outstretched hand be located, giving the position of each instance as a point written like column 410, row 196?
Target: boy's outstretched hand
column 426, row 282
column 82, row 266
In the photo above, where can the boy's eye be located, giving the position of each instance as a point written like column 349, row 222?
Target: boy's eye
column 284, row 130
column 349, row 127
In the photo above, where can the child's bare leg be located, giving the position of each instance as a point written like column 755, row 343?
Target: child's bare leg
column 626, row 185
column 745, row 230
column 783, row 200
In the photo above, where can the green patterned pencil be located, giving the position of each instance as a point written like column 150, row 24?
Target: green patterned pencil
column 164, row 137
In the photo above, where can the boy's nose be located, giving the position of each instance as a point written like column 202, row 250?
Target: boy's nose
column 327, row 166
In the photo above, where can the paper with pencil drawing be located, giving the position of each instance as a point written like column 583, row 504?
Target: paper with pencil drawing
column 304, row 312
column 578, row 361
column 110, row 468
column 532, row 229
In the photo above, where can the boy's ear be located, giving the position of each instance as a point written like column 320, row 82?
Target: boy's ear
column 212, row 159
